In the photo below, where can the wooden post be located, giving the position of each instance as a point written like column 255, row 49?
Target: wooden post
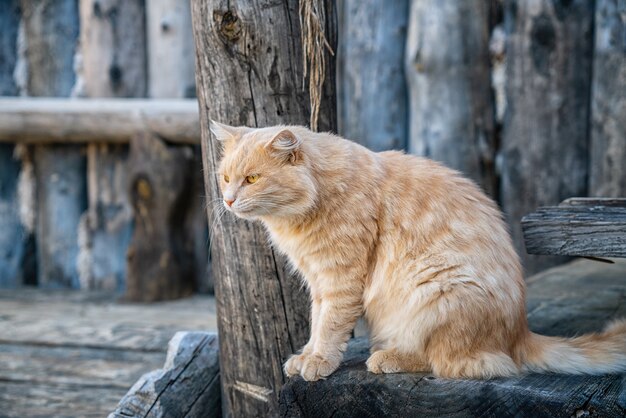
column 372, row 99
column 160, row 256
column 607, row 176
column 449, row 77
column 51, row 33
column 545, row 133
column 12, row 235
column 172, row 75
column 112, row 48
column 250, row 72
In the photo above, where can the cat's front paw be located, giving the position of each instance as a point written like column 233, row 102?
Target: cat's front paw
column 315, row 367
column 293, row 365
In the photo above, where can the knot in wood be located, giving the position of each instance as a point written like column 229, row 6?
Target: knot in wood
column 144, row 191
column 229, row 25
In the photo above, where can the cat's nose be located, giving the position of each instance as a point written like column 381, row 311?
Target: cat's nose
column 229, row 202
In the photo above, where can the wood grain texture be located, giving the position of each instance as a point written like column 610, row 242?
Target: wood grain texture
column 160, row 255
column 598, row 231
column 575, row 298
column 371, row 87
column 113, row 52
column 188, row 385
column 249, row 72
column 44, row 121
column 448, row 71
column 607, row 176
column 544, row 146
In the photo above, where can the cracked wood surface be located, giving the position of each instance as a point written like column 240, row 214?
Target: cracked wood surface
column 576, row 298
column 73, row 354
column 249, row 71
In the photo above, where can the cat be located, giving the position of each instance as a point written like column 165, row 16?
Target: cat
column 409, row 244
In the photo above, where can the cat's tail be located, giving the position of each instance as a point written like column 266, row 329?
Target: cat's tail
column 596, row 353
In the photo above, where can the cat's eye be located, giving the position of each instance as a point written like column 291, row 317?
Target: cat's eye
column 226, row 178
column 251, row 179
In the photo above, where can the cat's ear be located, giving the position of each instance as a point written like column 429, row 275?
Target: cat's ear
column 225, row 133
column 285, row 145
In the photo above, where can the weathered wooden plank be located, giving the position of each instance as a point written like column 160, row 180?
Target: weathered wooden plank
column 62, row 199
column 371, row 88
column 12, row 238
column 170, row 49
column 112, row 47
column 188, row 385
column 42, row 400
column 545, row 133
column 598, row 231
column 51, row 35
column 171, row 68
column 95, row 319
column 88, row 367
column 594, row 201
column 96, row 120
column 160, row 256
column 259, row 82
column 451, row 105
column 607, row 174
column 578, row 297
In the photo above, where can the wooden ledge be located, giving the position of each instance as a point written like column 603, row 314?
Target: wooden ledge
column 578, row 297
column 53, row 120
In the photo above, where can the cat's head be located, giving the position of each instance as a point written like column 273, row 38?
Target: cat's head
column 264, row 173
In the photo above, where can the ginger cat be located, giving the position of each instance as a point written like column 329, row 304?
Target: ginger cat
column 411, row 245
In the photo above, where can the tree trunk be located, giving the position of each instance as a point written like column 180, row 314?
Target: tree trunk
column 51, row 33
column 12, row 238
column 112, row 45
column 607, row 175
column 372, row 98
column 172, row 75
column 250, row 72
column 448, row 71
column 545, row 133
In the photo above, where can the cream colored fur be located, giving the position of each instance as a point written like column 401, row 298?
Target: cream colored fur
column 411, row 245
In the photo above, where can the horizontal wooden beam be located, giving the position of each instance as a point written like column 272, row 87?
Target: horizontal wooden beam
column 578, row 227
column 52, row 120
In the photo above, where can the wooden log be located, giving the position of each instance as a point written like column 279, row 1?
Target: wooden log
column 607, row 174
column 170, row 44
column 371, row 88
column 451, row 105
column 13, row 236
column 568, row 300
column 171, row 67
column 45, row 121
column 112, row 47
column 51, row 34
column 187, row 386
column 545, row 134
column 595, row 231
column 259, row 82
column 160, row 256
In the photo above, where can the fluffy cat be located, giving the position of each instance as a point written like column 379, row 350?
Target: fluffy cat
column 411, row 245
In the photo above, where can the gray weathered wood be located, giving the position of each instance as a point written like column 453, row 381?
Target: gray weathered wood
column 262, row 308
column 12, row 238
column 42, row 121
column 545, row 133
column 594, row 201
column 188, row 385
column 112, row 47
column 171, row 68
column 170, row 49
column 160, row 255
column 371, row 87
column 607, row 175
column 51, row 35
column 596, row 231
column 448, row 72
column 568, row 300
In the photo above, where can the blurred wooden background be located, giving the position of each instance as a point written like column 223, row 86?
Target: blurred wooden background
column 526, row 97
